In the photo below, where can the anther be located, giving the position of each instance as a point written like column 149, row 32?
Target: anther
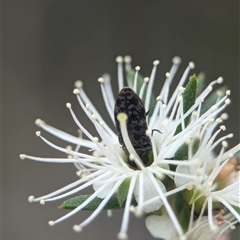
column 179, row 99
column 224, row 116
column 209, row 88
column 223, row 128
column 42, row 202
column 95, row 139
column 227, row 101
column 39, row 122
column 87, row 106
column 102, row 123
column 230, row 135
column 176, row 60
column 127, row 59
column 31, row 198
column 137, row 68
column 119, row 59
column 93, row 116
column 22, row 156
column 218, row 120
column 68, row 105
column 51, row 223
column 78, row 84
column 75, row 91
column 228, row 92
column 131, row 156
column 147, row 132
column 220, row 80
column 77, row 228
column 158, row 98
column 146, row 79
column 101, row 80
column 122, row 117
column 122, row 236
column 167, row 74
column 224, row 144
column 38, row 133
column 191, row 65
column 156, row 62
column 181, row 89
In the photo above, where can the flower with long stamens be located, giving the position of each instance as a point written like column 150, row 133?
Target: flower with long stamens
column 138, row 175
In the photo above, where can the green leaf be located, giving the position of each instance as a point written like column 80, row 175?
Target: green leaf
column 74, row 202
column 130, row 77
column 189, row 97
column 182, row 210
column 123, row 191
column 181, row 153
column 196, row 195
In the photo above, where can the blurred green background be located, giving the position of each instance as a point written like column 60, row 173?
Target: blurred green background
column 47, row 45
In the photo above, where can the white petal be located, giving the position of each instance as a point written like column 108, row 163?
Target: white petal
column 161, row 227
column 179, row 180
column 149, row 192
column 106, row 190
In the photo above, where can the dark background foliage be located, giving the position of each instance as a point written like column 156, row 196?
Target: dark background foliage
column 47, row 45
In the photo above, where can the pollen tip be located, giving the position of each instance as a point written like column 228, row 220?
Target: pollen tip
column 156, row 62
column 127, row 59
column 119, row 59
column 76, row 91
column 223, row 128
column 101, row 80
column 147, row 132
column 51, row 223
column 95, row 139
column 228, row 92
column 176, row 60
column 224, row 144
column 137, row 68
column 93, row 117
column 158, row 98
column 122, row 236
column 167, row 74
column 220, row 80
column 230, row 135
column 227, row 101
column 77, row 228
column 39, row 122
column 131, row 156
column 191, row 65
column 78, row 84
column 209, row 88
column 122, row 117
column 146, row 79
column 102, row 123
column 31, row 199
column 224, row 116
column 42, row 201
column 38, row 133
column 69, row 105
column 22, row 156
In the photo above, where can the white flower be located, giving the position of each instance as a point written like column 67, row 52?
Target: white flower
column 161, row 227
column 106, row 166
